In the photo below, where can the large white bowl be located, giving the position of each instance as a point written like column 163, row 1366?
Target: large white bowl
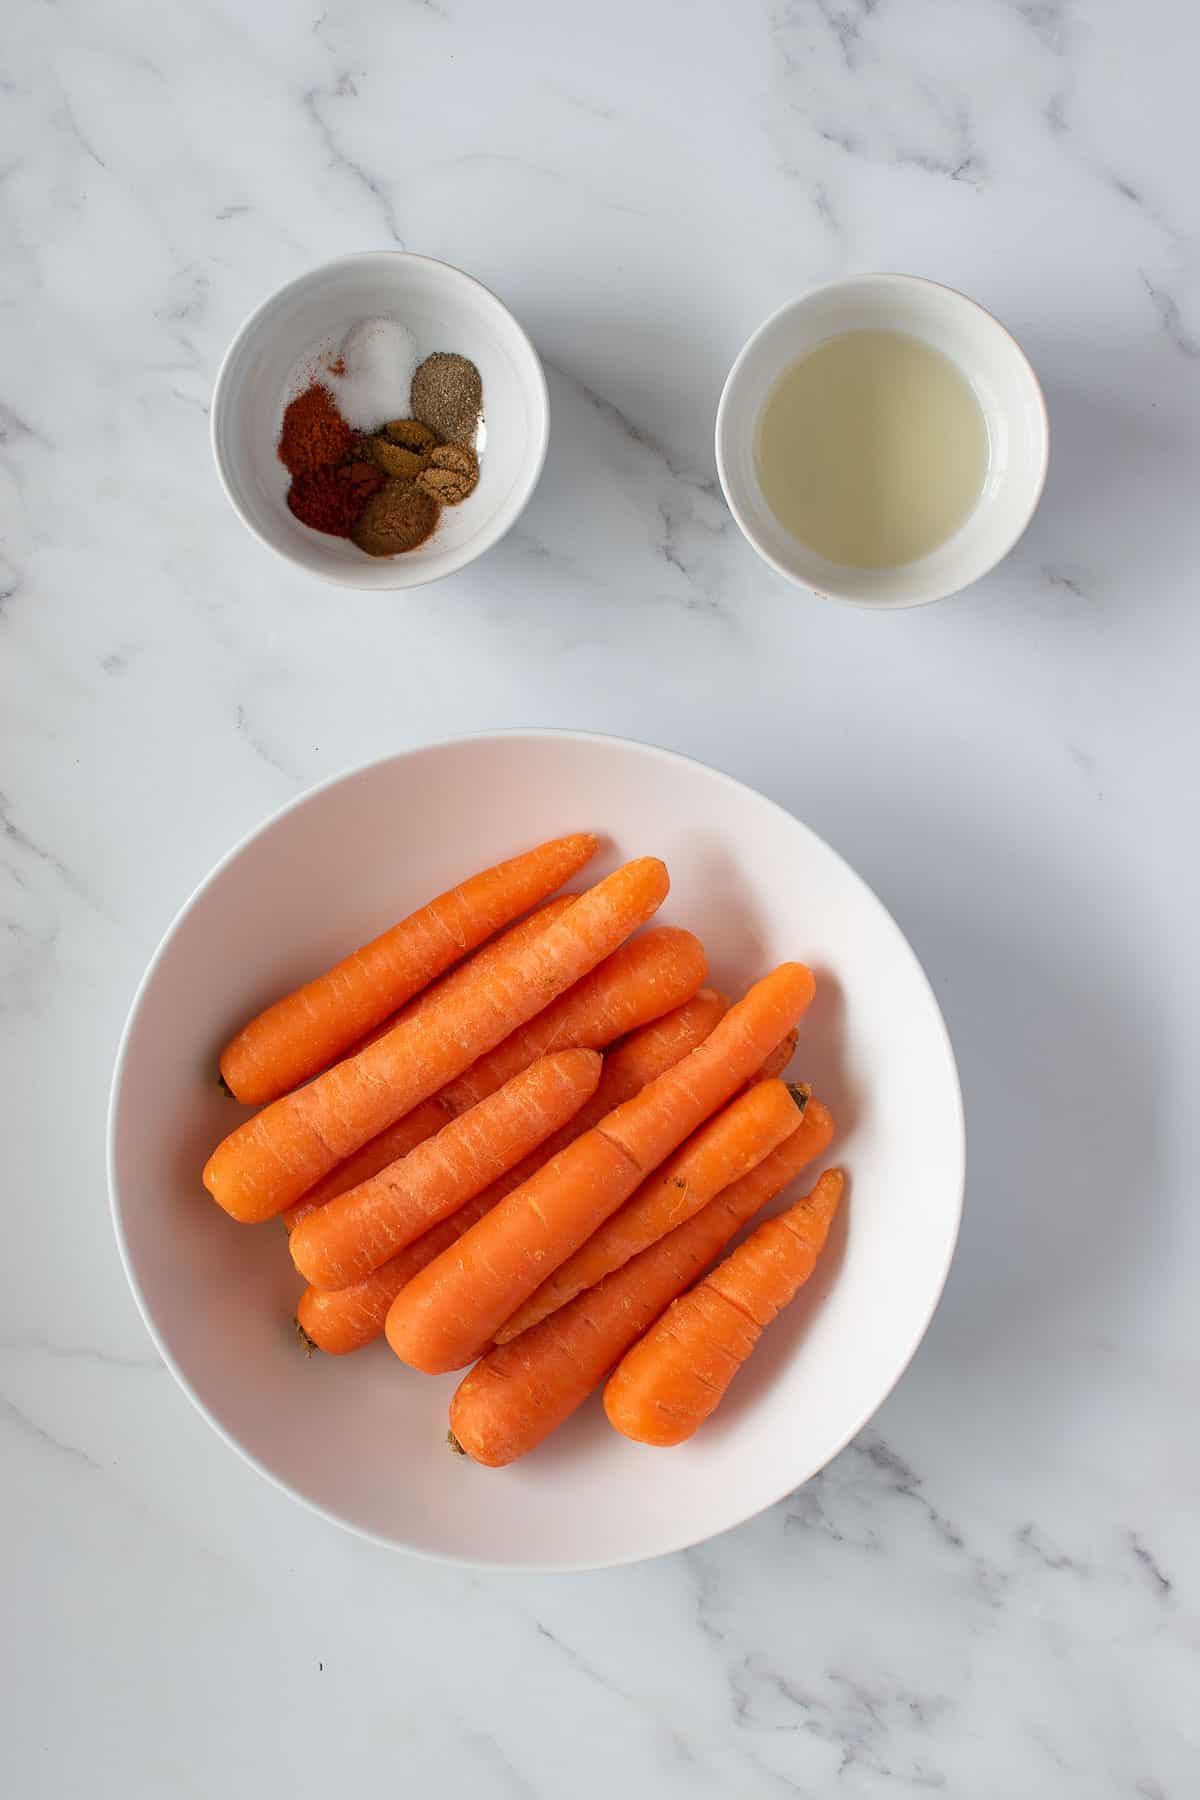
column 1003, row 382
column 445, row 309
column 363, row 1439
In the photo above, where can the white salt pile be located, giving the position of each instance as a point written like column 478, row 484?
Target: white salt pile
column 379, row 356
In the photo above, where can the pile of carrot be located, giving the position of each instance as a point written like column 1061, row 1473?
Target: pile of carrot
column 514, row 1132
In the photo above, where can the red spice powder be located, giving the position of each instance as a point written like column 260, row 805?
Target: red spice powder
column 314, row 432
column 332, row 498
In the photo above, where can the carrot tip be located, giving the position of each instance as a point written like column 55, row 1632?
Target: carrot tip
column 307, row 1344
column 454, row 1445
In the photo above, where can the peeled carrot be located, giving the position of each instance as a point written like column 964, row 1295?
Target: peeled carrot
column 642, row 979
column 448, row 1312
column 344, row 1319
column 779, row 1058
column 358, row 1231
column 665, row 1387
column 479, row 963
column 726, row 1148
column 306, row 1030
column 519, row 1393
column 429, row 1117
column 278, row 1155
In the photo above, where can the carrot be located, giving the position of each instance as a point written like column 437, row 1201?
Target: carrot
column 307, row 1029
column 780, row 1056
column 477, row 964
column 635, row 984
column 451, row 1309
column 665, row 1387
column 727, row 1147
column 429, row 1117
column 358, row 1231
column 345, row 1319
column 519, row 1393
column 276, row 1156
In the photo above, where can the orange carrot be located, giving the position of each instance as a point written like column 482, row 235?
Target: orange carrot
column 726, row 1148
column 780, row 1056
column 306, row 1030
column 641, row 980
column 665, row 1387
column 451, row 1309
column 480, row 962
column 358, row 1231
column 519, row 1393
column 344, row 1319
column 429, row 1117
column 276, row 1156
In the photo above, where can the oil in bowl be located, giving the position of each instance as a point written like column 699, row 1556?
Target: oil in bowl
column 872, row 449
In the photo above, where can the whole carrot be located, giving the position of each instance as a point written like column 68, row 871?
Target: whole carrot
column 472, row 967
column 731, row 1143
column 643, row 978
column 665, row 1387
column 274, row 1158
column 448, row 1312
column 344, row 1319
column 358, row 1231
column 519, row 1393
column 306, row 1030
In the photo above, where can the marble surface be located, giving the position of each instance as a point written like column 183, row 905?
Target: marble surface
column 995, row 1590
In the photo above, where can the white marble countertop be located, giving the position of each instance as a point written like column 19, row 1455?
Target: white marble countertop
column 994, row 1591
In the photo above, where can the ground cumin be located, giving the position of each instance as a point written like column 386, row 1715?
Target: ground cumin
column 399, row 517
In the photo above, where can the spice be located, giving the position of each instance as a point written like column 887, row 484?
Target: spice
column 447, row 393
column 332, row 498
column 381, row 484
column 395, row 459
column 399, row 517
column 411, row 434
column 314, row 432
column 451, row 475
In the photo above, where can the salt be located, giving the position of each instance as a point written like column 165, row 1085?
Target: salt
column 379, row 356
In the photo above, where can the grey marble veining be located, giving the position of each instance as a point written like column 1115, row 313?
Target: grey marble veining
column 995, row 1589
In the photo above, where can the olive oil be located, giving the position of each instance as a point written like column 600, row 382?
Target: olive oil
column 872, row 449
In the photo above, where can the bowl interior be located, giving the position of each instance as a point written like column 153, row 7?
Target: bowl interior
column 362, row 1437
column 445, row 310
column 1003, row 382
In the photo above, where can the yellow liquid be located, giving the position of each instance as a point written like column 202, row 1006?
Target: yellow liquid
column 872, row 449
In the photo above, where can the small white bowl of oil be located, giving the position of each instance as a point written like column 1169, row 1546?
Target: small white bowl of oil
column 882, row 441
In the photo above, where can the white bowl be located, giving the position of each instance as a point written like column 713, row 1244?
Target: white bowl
column 362, row 1439
column 446, row 310
column 1004, row 384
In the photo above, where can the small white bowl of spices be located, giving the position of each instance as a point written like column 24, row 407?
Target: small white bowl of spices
column 381, row 421
column 882, row 441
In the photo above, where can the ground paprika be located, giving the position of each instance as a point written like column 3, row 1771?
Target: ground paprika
column 314, row 432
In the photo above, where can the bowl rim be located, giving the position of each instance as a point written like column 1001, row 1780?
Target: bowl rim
column 657, row 752
column 721, row 434
column 455, row 560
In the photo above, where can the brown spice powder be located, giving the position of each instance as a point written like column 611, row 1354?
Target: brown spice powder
column 452, row 474
column 411, row 434
column 400, row 517
column 395, row 459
